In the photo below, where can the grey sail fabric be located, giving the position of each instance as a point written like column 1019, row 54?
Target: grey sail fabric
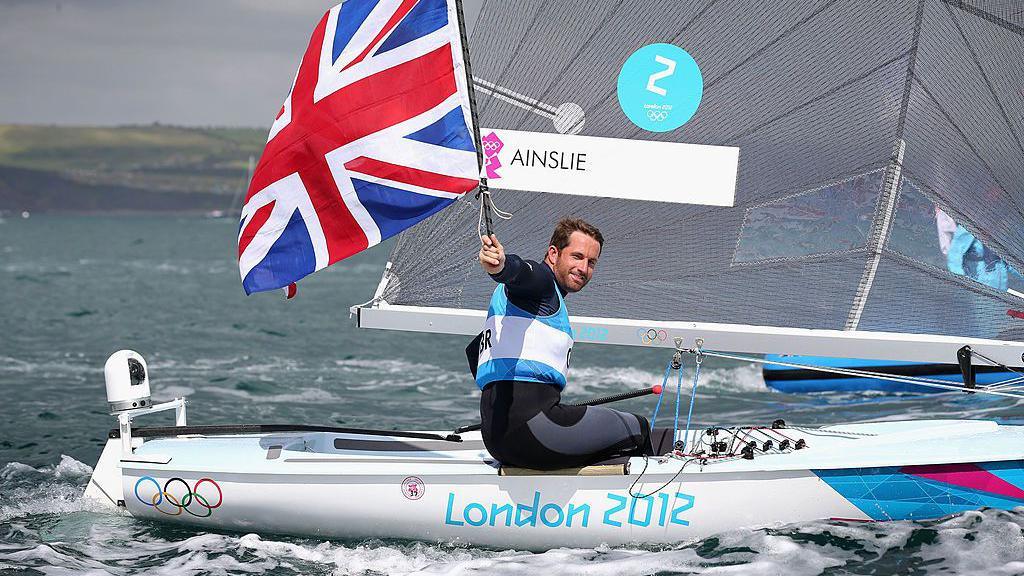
column 855, row 120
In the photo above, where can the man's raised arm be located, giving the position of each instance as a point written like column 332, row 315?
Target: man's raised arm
column 529, row 284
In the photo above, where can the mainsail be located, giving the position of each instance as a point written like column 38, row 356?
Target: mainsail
column 854, row 120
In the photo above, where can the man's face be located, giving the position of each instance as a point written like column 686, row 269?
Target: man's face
column 574, row 264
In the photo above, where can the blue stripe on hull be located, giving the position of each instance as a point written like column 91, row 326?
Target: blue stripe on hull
column 773, row 379
column 874, row 384
column 887, row 493
column 829, row 361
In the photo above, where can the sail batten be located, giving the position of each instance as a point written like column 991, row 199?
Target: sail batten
column 880, row 227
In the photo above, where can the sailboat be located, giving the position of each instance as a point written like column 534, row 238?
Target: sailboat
column 954, row 248
column 233, row 206
column 790, row 376
column 837, row 119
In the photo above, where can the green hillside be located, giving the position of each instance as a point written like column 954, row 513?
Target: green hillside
column 148, row 158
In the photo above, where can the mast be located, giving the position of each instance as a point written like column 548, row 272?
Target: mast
column 483, row 194
column 235, row 208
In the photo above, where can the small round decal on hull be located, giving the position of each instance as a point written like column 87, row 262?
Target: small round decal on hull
column 413, row 488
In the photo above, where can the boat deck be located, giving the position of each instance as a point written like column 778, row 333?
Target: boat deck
column 843, row 446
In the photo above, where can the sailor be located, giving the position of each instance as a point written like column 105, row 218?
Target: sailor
column 523, row 354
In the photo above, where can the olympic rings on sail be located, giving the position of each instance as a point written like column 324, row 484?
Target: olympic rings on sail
column 657, row 115
column 492, row 146
column 650, row 335
column 190, row 500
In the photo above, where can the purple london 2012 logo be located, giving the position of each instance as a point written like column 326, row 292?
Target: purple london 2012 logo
column 492, row 146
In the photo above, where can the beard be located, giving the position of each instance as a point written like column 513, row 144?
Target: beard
column 571, row 284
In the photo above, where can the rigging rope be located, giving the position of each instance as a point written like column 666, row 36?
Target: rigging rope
column 693, row 395
column 868, row 374
column 664, row 385
column 1004, row 383
column 679, row 391
column 999, row 389
column 487, row 207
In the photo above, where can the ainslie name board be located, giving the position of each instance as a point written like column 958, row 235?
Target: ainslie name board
column 610, row 167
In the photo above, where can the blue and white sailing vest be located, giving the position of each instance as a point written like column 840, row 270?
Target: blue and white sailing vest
column 517, row 345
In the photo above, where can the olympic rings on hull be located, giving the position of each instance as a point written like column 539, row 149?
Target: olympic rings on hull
column 188, row 500
column 651, row 335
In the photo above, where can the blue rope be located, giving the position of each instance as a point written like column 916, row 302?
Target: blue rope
column 664, row 382
column 675, row 423
column 693, row 395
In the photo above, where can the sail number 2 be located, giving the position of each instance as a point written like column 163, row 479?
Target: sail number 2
column 670, row 69
column 660, row 87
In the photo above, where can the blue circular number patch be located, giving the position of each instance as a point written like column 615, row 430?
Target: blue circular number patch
column 660, row 87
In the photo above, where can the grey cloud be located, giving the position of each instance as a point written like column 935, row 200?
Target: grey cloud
column 191, row 62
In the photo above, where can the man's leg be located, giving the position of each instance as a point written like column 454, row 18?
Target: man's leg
column 570, row 436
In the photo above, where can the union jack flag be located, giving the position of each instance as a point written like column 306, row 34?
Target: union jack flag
column 374, row 136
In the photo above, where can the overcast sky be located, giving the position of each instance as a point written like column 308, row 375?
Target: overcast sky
column 187, row 62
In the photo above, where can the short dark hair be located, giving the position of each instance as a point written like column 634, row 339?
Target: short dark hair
column 565, row 228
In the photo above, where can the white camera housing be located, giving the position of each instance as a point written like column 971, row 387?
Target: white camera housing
column 127, row 377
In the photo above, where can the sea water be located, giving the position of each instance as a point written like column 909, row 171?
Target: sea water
column 73, row 289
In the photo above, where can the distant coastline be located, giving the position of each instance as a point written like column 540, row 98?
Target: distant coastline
column 152, row 168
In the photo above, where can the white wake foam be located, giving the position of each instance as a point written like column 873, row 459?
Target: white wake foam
column 47, row 490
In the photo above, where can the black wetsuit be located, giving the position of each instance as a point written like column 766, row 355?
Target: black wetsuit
column 524, row 424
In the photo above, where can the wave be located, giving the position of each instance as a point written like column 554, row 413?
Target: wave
column 302, row 396
column 590, row 379
column 146, row 266
column 48, row 490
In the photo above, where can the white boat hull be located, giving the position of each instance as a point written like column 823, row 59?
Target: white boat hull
column 304, row 484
